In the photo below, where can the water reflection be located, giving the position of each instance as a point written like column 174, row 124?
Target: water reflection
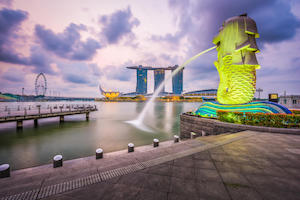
column 78, row 138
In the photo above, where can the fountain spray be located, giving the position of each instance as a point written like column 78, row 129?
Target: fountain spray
column 138, row 122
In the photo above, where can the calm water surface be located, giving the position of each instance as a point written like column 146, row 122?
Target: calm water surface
column 79, row 138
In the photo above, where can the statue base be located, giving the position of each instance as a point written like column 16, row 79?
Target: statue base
column 209, row 109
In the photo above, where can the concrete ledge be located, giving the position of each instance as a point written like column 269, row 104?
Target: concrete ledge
column 200, row 125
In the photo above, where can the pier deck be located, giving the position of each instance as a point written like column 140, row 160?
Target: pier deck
column 20, row 116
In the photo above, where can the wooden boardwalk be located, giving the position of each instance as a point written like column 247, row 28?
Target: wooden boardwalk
column 19, row 118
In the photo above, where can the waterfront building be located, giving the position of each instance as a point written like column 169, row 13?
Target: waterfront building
column 290, row 101
column 177, row 81
column 141, row 80
column 159, row 77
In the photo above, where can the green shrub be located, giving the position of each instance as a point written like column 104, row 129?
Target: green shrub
column 260, row 119
column 296, row 112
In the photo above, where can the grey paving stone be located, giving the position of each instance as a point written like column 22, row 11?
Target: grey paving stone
column 173, row 196
column 234, row 178
column 95, row 191
column 207, row 175
column 183, row 172
column 151, row 195
column 283, row 163
column 274, row 183
column 202, row 156
column 275, row 171
column 250, row 169
column 278, row 195
column 221, row 157
column 242, row 160
column 261, row 162
column 184, row 162
column 163, row 170
column 295, row 172
column 120, row 191
column 184, row 187
column 212, row 190
column 238, row 192
column 136, row 179
column 227, row 166
column 61, row 197
column 204, row 164
column 218, row 150
column 157, row 183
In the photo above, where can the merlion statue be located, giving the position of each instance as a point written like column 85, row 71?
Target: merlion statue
column 237, row 63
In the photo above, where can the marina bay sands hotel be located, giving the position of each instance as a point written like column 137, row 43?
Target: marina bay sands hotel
column 159, row 77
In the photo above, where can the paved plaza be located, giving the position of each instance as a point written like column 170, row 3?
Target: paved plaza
column 245, row 165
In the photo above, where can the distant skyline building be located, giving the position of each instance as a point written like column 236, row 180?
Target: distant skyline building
column 177, row 81
column 159, row 77
column 141, row 80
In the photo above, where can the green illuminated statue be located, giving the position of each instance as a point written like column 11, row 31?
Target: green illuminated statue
column 237, row 64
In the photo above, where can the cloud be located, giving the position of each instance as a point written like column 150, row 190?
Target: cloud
column 10, row 21
column 40, row 60
column 79, row 72
column 199, row 21
column 117, row 73
column 6, row 2
column 67, row 44
column 11, row 75
column 118, row 24
column 76, row 78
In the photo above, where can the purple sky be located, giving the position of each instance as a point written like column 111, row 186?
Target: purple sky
column 81, row 44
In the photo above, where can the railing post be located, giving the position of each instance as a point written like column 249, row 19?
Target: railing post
column 39, row 109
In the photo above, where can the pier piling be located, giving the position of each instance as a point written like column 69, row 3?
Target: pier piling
column 61, row 118
column 35, row 123
column 19, row 124
column 87, row 116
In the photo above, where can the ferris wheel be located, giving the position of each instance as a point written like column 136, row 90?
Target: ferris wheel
column 40, row 84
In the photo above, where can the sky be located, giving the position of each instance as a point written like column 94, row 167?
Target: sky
column 79, row 44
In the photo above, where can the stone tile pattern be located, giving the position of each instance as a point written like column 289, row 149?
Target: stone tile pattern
column 190, row 123
column 262, row 166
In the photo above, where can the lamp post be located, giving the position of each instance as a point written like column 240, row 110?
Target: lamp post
column 259, row 90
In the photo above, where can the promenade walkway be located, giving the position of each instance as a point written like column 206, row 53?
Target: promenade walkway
column 245, row 165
